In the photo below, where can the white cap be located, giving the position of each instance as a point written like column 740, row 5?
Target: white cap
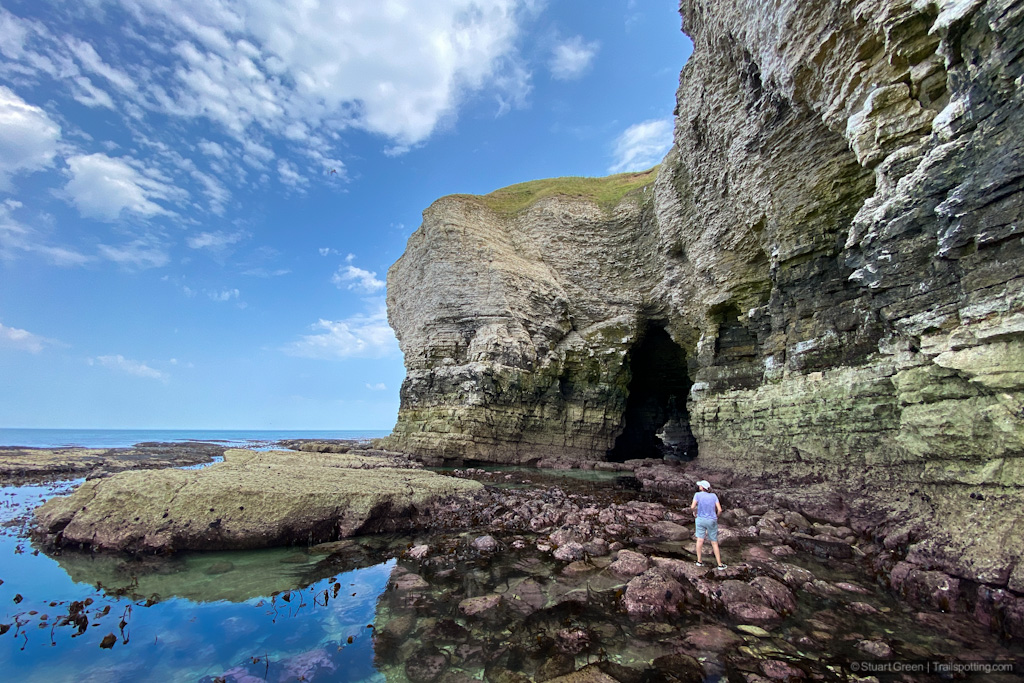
column 704, row 484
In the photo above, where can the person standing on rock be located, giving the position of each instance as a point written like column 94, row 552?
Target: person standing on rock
column 708, row 508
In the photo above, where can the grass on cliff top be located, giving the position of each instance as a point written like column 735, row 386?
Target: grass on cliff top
column 606, row 192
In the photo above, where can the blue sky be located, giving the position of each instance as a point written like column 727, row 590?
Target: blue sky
column 200, row 199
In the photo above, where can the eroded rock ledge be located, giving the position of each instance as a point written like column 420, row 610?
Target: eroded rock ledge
column 24, row 465
column 250, row 500
column 824, row 282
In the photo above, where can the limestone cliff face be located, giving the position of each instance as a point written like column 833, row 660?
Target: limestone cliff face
column 514, row 324
column 826, row 280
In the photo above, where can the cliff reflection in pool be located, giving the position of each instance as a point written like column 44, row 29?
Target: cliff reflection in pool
column 280, row 614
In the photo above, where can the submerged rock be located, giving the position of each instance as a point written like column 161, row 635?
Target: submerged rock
column 820, row 284
column 485, row 544
column 652, row 594
column 251, row 500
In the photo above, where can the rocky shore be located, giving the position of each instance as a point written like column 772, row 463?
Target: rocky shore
column 817, row 297
column 517, row 574
column 250, row 500
column 562, row 584
column 22, row 465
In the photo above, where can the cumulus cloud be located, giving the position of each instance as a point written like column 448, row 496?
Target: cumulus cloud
column 357, row 279
column 22, row 340
column 395, row 69
column 379, row 386
column 642, row 145
column 104, row 187
column 571, row 58
column 353, row 278
column 119, row 363
column 360, row 336
column 28, row 137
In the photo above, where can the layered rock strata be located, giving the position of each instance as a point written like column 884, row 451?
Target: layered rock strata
column 250, row 500
column 824, row 282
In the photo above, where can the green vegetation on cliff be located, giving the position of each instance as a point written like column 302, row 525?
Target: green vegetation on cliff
column 606, row 192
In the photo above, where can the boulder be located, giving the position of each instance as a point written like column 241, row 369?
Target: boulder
column 669, row 531
column 482, row 606
column 628, row 564
column 485, row 544
column 711, row 638
column 778, row 596
column 652, row 594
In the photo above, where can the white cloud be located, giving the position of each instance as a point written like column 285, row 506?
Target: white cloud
column 212, row 149
column 361, row 336
column 642, row 145
column 104, row 187
column 17, row 238
column 357, row 279
column 379, row 386
column 137, row 254
column 90, row 60
column 128, row 366
column 395, row 68
column 215, row 241
column 22, row 340
column 224, row 295
column 572, row 58
column 214, row 191
column 88, row 94
column 290, row 175
column 28, row 137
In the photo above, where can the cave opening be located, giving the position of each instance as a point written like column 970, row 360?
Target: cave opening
column 656, row 423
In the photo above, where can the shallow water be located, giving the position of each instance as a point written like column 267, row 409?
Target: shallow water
column 282, row 614
column 124, row 438
column 361, row 610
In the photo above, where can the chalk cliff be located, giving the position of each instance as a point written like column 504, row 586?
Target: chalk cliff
column 822, row 282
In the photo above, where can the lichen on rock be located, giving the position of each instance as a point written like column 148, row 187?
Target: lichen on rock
column 832, row 248
column 251, row 500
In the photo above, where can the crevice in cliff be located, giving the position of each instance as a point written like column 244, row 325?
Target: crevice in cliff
column 656, row 422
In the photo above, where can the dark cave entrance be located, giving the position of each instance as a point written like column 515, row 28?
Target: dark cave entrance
column 656, row 422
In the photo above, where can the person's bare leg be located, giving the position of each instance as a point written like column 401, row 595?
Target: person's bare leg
column 700, row 544
column 718, row 555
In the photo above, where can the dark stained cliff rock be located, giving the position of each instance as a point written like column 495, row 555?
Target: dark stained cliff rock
column 824, row 283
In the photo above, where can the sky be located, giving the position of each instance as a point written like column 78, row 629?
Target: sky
column 200, row 199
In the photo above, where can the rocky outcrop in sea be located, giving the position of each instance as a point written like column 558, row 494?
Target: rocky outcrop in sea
column 820, row 290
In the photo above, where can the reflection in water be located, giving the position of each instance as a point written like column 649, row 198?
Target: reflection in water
column 231, row 576
column 279, row 614
column 463, row 610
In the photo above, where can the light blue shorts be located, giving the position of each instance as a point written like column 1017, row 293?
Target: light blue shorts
column 707, row 527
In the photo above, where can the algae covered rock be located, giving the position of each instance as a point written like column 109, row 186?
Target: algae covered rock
column 251, row 500
column 822, row 283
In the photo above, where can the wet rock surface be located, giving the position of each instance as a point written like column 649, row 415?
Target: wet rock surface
column 826, row 279
column 250, row 500
column 19, row 465
column 525, row 614
column 455, row 612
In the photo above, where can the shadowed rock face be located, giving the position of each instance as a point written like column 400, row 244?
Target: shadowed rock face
column 835, row 243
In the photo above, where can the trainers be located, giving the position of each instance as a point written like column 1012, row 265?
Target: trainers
column 699, row 564
column 722, row 566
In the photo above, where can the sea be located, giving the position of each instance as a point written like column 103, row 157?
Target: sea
column 123, row 438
